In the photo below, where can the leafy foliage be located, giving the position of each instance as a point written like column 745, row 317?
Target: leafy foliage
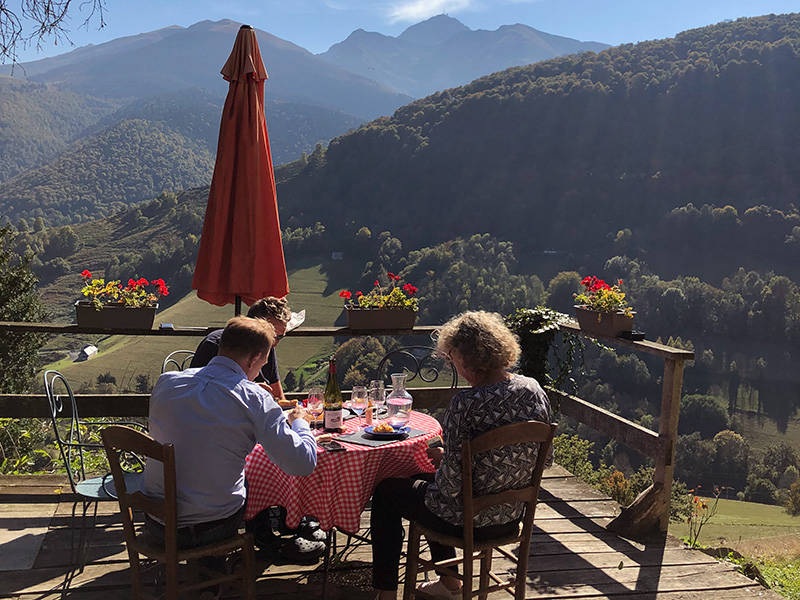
column 19, row 301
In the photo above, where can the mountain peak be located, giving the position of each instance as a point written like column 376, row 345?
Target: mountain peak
column 433, row 31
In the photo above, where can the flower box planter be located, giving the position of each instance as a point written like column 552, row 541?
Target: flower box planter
column 609, row 324
column 114, row 316
column 381, row 318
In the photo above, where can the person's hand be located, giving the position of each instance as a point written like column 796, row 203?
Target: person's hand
column 298, row 412
column 435, row 454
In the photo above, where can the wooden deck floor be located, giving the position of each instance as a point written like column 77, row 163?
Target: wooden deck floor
column 572, row 555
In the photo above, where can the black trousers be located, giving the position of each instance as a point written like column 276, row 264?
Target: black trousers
column 395, row 499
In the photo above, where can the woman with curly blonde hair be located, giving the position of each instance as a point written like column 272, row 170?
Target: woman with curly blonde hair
column 483, row 350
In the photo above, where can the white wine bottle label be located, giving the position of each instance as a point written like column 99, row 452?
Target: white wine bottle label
column 333, row 419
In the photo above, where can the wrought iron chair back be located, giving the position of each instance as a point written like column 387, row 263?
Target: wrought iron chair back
column 88, row 491
column 420, row 363
column 180, row 359
column 72, row 447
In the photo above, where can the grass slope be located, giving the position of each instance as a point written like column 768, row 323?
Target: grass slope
column 126, row 357
column 761, row 431
column 737, row 522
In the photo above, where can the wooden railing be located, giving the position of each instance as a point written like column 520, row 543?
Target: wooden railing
column 649, row 512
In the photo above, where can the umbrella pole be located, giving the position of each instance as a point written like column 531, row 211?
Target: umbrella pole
column 238, row 306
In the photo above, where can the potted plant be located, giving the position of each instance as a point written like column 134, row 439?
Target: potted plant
column 390, row 307
column 601, row 309
column 109, row 305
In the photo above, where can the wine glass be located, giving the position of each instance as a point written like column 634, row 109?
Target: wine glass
column 377, row 394
column 359, row 401
column 315, row 403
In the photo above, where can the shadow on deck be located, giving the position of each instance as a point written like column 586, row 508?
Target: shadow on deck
column 572, row 554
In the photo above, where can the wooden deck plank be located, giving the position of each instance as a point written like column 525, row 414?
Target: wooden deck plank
column 572, row 554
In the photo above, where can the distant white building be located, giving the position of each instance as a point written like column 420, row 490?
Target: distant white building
column 86, row 353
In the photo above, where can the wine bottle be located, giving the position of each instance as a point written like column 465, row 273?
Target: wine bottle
column 333, row 400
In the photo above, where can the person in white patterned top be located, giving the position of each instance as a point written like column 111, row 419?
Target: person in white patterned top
column 482, row 349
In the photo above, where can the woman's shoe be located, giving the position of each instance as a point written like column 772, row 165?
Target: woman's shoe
column 436, row 589
column 309, row 530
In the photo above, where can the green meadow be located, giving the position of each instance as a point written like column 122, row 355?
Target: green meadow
column 743, row 522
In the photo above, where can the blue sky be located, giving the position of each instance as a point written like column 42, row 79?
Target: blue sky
column 316, row 24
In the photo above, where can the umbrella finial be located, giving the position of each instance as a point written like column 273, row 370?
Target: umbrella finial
column 246, row 27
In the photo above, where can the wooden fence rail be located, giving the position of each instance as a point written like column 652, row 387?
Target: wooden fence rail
column 649, row 512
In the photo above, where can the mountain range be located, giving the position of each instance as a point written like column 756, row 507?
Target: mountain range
column 102, row 126
column 442, row 52
column 177, row 58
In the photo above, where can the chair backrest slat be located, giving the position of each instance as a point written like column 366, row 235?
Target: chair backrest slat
column 508, row 435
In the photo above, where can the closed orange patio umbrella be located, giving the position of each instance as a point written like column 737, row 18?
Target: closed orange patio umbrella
column 241, row 254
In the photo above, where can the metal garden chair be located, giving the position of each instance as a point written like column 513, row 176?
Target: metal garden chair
column 180, row 359
column 89, row 491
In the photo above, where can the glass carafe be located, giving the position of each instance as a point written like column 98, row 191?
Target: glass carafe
column 398, row 402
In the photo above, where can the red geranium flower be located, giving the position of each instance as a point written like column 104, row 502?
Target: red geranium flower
column 359, row 294
column 377, row 283
column 142, row 281
column 342, row 293
column 391, row 275
column 85, row 274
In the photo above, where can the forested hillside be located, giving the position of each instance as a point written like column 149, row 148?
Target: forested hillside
column 165, row 143
column 131, row 161
column 38, row 121
column 670, row 164
column 571, row 151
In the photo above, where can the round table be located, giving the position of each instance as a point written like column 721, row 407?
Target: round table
column 342, row 482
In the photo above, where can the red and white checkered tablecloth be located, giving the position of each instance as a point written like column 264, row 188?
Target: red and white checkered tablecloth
column 342, row 482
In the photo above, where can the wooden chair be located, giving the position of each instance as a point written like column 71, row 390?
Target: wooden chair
column 516, row 433
column 118, row 439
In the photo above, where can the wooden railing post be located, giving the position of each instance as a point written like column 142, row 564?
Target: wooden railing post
column 649, row 512
column 668, row 434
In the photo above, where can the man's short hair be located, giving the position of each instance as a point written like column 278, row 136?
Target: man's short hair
column 271, row 308
column 245, row 336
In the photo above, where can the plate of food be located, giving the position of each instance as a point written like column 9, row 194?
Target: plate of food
column 387, row 430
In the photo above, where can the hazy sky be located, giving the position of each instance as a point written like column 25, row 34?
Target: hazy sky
column 316, row 24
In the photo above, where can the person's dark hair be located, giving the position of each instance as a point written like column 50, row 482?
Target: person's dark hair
column 271, row 307
column 245, row 336
column 482, row 339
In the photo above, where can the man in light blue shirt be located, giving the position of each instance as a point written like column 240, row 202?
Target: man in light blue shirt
column 214, row 416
